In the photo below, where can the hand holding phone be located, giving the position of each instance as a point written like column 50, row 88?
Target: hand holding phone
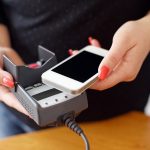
column 76, row 73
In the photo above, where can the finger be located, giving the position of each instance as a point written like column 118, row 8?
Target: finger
column 6, row 79
column 9, row 99
column 72, row 52
column 94, row 42
column 113, row 79
column 127, row 70
column 1, row 59
column 118, row 49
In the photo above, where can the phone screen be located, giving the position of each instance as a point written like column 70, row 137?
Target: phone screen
column 81, row 67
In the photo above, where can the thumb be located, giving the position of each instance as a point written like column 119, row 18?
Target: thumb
column 6, row 79
column 112, row 59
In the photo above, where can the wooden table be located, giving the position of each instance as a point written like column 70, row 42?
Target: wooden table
column 127, row 132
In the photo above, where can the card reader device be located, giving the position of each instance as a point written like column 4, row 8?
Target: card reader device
column 45, row 104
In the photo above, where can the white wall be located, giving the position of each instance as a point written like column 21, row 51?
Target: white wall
column 147, row 108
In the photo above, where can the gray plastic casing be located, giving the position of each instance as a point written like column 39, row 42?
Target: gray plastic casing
column 25, row 76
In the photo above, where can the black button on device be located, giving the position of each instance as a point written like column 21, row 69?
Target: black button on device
column 29, row 88
column 37, row 84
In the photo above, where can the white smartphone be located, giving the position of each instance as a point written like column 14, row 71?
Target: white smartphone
column 76, row 73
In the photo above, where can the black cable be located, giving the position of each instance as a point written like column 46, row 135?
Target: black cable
column 70, row 123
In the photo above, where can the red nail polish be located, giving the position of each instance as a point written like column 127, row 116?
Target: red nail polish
column 103, row 72
column 33, row 66
column 7, row 82
column 70, row 51
column 90, row 39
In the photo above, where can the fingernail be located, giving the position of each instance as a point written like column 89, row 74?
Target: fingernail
column 96, row 43
column 33, row 66
column 7, row 82
column 90, row 39
column 70, row 51
column 103, row 72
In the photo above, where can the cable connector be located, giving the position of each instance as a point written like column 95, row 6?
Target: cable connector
column 71, row 123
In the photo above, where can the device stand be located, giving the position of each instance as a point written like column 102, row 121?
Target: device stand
column 25, row 77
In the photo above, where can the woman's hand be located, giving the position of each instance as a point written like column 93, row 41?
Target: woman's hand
column 6, row 80
column 130, row 46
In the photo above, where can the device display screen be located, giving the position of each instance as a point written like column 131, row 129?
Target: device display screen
column 46, row 94
column 81, row 67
